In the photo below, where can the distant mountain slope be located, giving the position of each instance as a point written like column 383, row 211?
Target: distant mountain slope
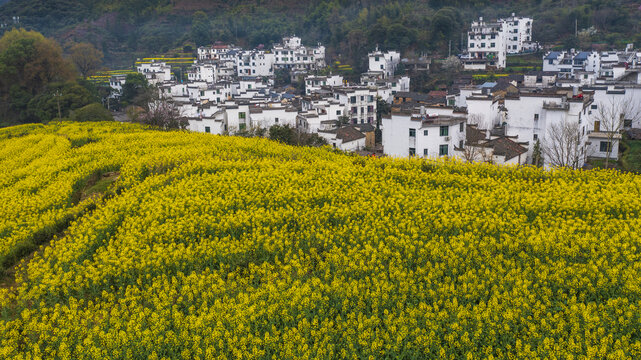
column 348, row 28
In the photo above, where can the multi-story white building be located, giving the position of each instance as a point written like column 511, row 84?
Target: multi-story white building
column 383, row 63
column 519, row 34
column 486, row 45
column 293, row 55
column 360, row 103
column 255, row 63
column 207, row 72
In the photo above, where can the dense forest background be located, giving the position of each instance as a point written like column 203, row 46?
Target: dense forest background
column 125, row 29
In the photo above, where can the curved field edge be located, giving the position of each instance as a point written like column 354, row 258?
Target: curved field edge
column 226, row 247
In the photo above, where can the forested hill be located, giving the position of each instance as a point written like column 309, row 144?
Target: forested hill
column 348, row 28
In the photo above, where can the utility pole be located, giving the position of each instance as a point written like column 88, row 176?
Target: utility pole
column 57, row 94
column 576, row 27
column 449, row 49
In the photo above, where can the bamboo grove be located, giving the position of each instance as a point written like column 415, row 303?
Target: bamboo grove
column 209, row 247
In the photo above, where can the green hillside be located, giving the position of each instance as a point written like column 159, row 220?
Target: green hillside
column 133, row 243
column 349, row 28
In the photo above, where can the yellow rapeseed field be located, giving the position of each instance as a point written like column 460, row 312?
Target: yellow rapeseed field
column 210, row 247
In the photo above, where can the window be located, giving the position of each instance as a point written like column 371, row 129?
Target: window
column 605, row 146
column 492, row 44
column 202, row 93
column 242, row 127
column 354, row 121
column 276, row 120
column 352, row 99
column 593, row 107
column 444, row 130
column 241, row 115
column 550, row 61
column 362, row 98
column 627, row 123
column 460, row 144
column 424, row 132
column 354, row 110
column 471, row 45
column 376, row 58
column 461, row 127
column 482, row 45
column 536, row 117
column 442, row 150
column 338, row 112
column 381, row 67
column 412, row 151
column 207, row 129
column 371, row 98
column 536, row 136
column 412, row 132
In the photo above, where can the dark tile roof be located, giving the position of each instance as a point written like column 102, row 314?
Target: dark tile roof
column 473, row 135
column 349, row 133
column 505, row 147
column 365, row 127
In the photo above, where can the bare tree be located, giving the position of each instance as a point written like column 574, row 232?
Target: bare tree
column 452, row 64
column 611, row 116
column 564, row 145
column 163, row 114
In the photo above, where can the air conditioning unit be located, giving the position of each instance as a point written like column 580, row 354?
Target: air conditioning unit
column 447, row 138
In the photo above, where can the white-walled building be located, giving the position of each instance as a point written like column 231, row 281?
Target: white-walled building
column 383, row 63
column 519, row 34
column 293, row 55
column 315, row 83
column 419, row 133
column 116, row 82
column 360, row 103
column 155, row 72
column 486, row 45
column 255, row 63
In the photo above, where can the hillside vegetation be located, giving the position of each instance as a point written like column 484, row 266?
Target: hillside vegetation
column 184, row 245
column 348, row 28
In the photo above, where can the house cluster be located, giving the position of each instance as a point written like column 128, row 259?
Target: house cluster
column 489, row 42
column 506, row 121
column 230, row 90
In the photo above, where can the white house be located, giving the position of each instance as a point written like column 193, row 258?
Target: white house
column 486, row 45
column 255, row 63
column 360, row 103
column 519, row 34
column 384, row 63
column 292, row 54
column 116, row 82
column 155, row 72
column 346, row 138
column 419, row 133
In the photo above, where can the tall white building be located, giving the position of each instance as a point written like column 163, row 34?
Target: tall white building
column 519, row 34
column 489, row 42
column 486, row 45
